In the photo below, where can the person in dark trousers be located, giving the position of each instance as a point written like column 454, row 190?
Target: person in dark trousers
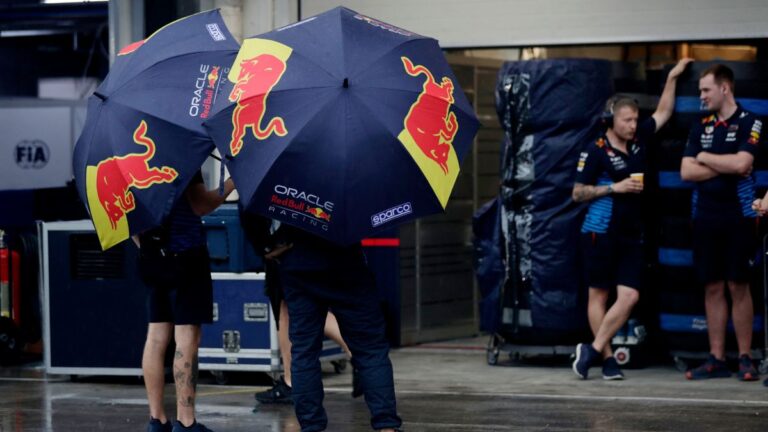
column 610, row 177
column 718, row 158
column 316, row 276
column 264, row 236
column 174, row 264
column 761, row 207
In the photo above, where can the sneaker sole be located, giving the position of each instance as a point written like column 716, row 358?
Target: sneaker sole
column 694, row 378
column 613, row 377
column 749, row 377
column 575, row 362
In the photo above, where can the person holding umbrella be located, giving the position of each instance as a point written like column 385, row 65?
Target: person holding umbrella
column 174, row 264
column 340, row 126
column 136, row 165
column 265, row 236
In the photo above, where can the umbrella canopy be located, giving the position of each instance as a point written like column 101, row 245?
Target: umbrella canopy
column 143, row 138
column 342, row 125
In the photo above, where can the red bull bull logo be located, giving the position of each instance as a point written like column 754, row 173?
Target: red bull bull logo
column 430, row 120
column 258, row 68
column 429, row 129
column 213, row 76
column 319, row 213
column 109, row 184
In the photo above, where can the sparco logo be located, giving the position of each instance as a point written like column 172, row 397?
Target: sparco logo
column 392, row 213
column 301, row 195
column 215, row 32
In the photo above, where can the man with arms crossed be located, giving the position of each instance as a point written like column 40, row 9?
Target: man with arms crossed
column 718, row 158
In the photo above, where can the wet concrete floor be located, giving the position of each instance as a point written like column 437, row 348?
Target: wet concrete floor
column 438, row 389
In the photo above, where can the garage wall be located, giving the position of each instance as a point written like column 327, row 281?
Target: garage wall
column 487, row 23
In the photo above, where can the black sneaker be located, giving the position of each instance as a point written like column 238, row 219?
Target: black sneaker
column 586, row 357
column 155, row 426
column 611, row 370
column 712, row 368
column 280, row 393
column 357, row 388
column 747, row 371
column 196, row 427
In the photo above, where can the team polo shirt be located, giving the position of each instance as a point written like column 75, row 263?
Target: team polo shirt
column 726, row 196
column 600, row 165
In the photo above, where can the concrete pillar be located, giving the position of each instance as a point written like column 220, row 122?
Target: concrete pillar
column 126, row 24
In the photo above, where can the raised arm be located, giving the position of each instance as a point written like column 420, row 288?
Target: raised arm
column 667, row 101
column 204, row 201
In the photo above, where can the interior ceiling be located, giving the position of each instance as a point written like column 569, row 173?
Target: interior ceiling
column 31, row 17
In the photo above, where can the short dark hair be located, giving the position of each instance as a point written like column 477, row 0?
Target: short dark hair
column 720, row 73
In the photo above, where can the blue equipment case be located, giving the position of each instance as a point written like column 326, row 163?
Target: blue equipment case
column 227, row 246
column 243, row 335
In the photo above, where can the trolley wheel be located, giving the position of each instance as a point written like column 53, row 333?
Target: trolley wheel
column 680, row 364
column 493, row 356
column 339, row 366
column 763, row 368
column 221, row 377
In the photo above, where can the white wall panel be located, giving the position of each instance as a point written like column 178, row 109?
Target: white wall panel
column 487, row 23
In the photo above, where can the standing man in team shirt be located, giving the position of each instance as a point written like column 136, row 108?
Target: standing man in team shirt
column 718, row 158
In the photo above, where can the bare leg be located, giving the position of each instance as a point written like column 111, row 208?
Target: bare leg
column 185, row 372
column 717, row 317
column 616, row 317
column 598, row 299
column 332, row 331
column 285, row 343
column 158, row 337
column 742, row 315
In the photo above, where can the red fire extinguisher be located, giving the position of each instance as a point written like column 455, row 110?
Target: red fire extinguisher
column 10, row 283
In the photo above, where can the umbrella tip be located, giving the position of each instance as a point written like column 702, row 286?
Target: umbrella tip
column 346, row 82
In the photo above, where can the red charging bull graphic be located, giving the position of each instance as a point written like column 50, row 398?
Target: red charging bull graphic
column 430, row 121
column 258, row 75
column 115, row 175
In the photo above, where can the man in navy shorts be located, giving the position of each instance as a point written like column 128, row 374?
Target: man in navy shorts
column 718, row 159
column 609, row 176
column 175, row 266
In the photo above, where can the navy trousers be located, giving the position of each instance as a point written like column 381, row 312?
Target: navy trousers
column 350, row 291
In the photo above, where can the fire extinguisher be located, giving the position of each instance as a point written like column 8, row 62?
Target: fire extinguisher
column 10, row 284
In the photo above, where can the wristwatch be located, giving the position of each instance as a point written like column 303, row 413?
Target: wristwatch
column 610, row 189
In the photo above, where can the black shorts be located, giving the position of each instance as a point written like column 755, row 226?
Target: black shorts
column 724, row 250
column 612, row 260
column 179, row 286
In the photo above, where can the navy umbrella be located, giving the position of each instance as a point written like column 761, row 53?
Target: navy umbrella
column 342, row 125
column 143, row 138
